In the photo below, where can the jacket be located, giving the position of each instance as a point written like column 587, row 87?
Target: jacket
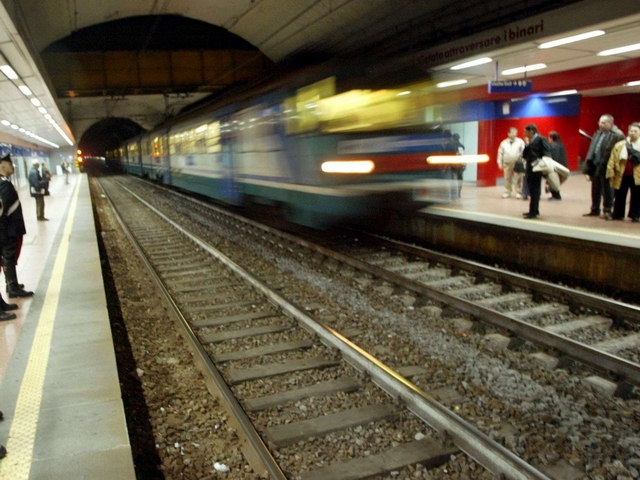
column 617, row 165
column 12, row 222
column 538, row 147
column 510, row 151
column 611, row 137
column 36, row 183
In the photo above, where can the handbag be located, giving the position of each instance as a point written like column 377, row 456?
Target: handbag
column 519, row 167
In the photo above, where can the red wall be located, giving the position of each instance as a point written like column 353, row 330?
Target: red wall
column 624, row 108
column 492, row 132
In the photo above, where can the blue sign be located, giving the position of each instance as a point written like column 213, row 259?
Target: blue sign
column 510, row 86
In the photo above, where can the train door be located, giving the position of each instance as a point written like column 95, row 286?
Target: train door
column 166, row 158
column 230, row 189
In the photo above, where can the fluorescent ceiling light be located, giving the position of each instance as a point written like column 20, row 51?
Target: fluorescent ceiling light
column 9, row 72
column 47, row 116
column 451, row 83
column 472, row 63
column 526, row 68
column 42, row 110
column 406, row 92
column 615, row 51
column 635, row 83
column 36, row 102
column 563, row 92
column 6, row 122
column 24, row 89
column 574, row 38
column 14, row 126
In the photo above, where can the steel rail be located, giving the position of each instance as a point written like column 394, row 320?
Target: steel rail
column 611, row 307
column 258, row 455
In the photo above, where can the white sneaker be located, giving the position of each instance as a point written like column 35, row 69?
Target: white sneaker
column 519, row 197
column 506, row 195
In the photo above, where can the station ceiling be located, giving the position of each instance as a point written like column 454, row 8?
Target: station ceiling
column 277, row 32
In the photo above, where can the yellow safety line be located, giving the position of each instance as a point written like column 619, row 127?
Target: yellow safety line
column 540, row 222
column 17, row 464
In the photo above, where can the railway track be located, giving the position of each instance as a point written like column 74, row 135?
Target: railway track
column 279, row 358
column 566, row 324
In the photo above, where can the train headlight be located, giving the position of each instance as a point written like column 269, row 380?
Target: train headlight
column 449, row 159
column 348, row 166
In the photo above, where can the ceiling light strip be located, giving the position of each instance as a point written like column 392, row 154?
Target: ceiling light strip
column 572, row 39
column 615, row 51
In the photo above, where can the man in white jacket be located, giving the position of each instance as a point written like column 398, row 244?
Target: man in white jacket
column 509, row 155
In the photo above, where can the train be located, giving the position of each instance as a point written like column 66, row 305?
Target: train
column 323, row 152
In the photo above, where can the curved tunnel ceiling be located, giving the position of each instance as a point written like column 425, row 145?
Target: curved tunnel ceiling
column 108, row 134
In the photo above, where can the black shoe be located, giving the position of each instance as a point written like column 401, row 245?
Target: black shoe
column 591, row 214
column 530, row 216
column 3, row 452
column 43, row 219
column 7, row 316
column 6, row 307
column 635, row 219
column 17, row 292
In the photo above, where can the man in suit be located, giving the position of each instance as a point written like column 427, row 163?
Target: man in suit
column 536, row 147
column 596, row 166
column 37, row 188
column 14, row 229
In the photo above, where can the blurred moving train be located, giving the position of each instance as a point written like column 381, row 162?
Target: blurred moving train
column 322, row 152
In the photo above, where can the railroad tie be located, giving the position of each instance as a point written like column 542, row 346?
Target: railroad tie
column 427, row 452
column 290, row 433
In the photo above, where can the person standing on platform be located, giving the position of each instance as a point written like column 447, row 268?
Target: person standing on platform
column 65, row 170
column 596, row 166
column 559, row 154
column 458, row 148
column 46, row 176
column 536, row 146
column 623, row 173
column 510, row 161
column 15, row 230
column 37, row 184
column 4, row 306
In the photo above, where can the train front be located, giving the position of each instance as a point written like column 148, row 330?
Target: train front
column 377, row 150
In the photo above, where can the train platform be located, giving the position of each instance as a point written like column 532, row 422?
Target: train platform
column 564, row 217
column 59, row 386
column 561, row 243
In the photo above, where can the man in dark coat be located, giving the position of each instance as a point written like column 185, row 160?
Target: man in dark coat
column 596, row 166
column 37, row 187
column 13, row 229
column 536, row 147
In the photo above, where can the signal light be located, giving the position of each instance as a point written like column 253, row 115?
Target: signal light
column 79, row 152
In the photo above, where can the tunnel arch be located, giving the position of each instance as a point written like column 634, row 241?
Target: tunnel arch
column 151, row 54
column 108, row 134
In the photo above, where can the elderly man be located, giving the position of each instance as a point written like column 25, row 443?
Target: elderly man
column 509, row 155
column 13, row 230
column 37, row 188
column 596, row 166
column 623, row 172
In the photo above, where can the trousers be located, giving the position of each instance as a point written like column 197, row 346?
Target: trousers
column 601, row 191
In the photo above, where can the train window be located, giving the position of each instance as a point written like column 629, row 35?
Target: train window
column 213, row 137
column 302, row 113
